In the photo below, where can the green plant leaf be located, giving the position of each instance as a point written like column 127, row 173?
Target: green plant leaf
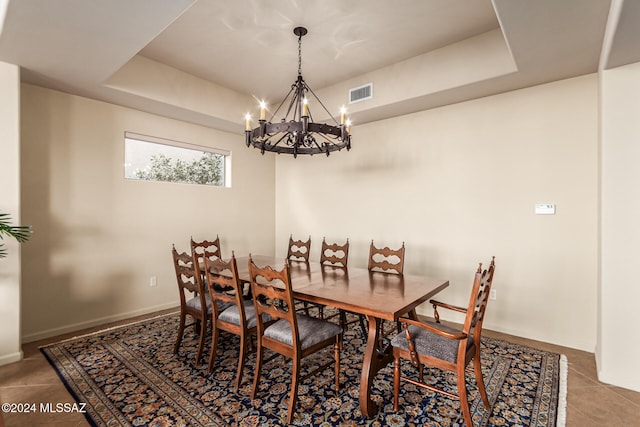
column 21, row 233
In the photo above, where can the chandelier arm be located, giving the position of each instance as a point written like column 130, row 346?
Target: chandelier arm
column 318, row 99
column 283, row 127
column 296, row 101
column 300, row 150
column 326, row 138
column 281, row 104
column 281, row 138
column 325, row 129
column 291, row 105
column 255, row 137
column 330, row 145
column 320, row 148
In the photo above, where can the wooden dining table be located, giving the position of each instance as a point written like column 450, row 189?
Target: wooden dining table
column 377, row 295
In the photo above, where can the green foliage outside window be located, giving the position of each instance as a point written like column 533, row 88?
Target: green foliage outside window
column 208, row 169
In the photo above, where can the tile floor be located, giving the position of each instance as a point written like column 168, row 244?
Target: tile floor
column 589, row 402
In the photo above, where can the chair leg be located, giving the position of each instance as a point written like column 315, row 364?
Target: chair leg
column 363, row 326
column 256, row 375
column 477, row 368
column 336, row 356
column 293, row 399
column 306, row 307
column 343, row 319
column 180, row 332
column 241, row 358
column 203, row 333
column 396, row 382
column 214, row 348
column 462, row 394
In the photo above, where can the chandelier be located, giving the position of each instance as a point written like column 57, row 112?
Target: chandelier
column 297, row 133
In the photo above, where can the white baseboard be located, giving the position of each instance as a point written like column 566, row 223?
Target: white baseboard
column 561, row 418
column 91, row 323
column 10, row 358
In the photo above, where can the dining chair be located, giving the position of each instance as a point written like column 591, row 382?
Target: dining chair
column 335, row 255
column 451, row 349
column 292, row 335
column 194, row 300
column 298, row 250
column 231, row 313
column 390, row 261
column 386, row 260
column 206, row 248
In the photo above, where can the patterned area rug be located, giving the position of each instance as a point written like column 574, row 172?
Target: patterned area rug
column 130, row 376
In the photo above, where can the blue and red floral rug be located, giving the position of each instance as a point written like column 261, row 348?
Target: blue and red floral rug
column 129, row 376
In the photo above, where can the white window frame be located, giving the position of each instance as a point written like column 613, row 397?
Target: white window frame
column 179, row 144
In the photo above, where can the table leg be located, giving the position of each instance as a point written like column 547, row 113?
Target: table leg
column 374, row 360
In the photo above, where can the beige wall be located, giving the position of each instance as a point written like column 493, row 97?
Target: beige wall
column 98, row 237
column 10, row 350
column 458, row 184
column 463, row 188
column 620, row 227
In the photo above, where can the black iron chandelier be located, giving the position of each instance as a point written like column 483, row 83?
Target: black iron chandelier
column 297, row 133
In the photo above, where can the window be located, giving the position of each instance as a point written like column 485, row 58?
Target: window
column 155, row 159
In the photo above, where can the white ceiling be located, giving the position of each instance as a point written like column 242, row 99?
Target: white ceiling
column 247, row 46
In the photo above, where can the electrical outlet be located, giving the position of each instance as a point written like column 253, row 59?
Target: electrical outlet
column 153, row 281
column 492, row 294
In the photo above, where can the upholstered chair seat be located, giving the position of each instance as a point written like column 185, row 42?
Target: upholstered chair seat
column 195, row 303
column 429, row 344
column 232, row 315
column 311, row 331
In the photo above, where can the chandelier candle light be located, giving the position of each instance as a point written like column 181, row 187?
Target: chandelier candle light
column 297, row 133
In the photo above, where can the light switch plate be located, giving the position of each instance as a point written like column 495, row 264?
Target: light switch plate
column 545, row 209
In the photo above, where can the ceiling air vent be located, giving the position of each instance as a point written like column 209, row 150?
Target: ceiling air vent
column 361, row 93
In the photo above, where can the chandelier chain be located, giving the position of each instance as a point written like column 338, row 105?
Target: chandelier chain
column 300, row 55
